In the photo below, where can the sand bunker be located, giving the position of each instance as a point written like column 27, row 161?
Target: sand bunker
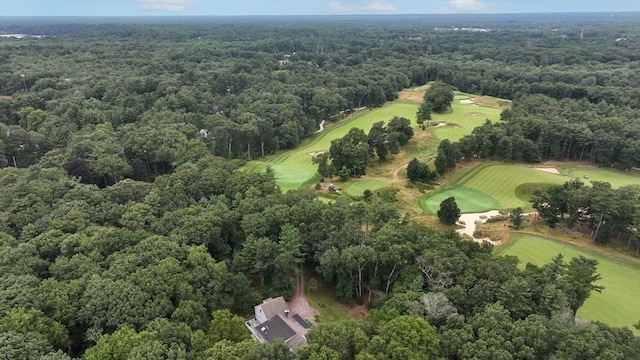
column 316, row 153
column 469, row 223
column 466, row 101
column 551, row 170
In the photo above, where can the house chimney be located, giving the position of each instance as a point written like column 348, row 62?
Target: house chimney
column 286, row 313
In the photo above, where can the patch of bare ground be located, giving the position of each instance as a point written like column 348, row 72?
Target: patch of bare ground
column 299, row 304
column 489, row 101
column 411, row 95
column 498, row 231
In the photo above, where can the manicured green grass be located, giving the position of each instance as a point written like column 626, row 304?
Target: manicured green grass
column 616, row 178
column 618, row 304
column 356, row 187
column 293, row 168
column 463, row 119
column 469, row 200
column 501, row 181
column 490, row 186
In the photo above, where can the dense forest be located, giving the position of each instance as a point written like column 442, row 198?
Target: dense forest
column 128, row 229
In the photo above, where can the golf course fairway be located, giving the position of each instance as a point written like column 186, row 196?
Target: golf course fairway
column 293, row 168
column 618, row 304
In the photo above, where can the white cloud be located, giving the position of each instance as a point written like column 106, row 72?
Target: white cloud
column 366, row 6
column 469, row 6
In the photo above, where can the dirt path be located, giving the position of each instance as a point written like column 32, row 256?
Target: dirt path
column 299, row 304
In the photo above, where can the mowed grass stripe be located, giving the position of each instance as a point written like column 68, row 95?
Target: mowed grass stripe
column 491, row 187
column 501, row 181
column 618, row 304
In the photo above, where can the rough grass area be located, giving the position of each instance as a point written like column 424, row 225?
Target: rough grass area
column 618, row 304
column 616, row 178
column 330, row 309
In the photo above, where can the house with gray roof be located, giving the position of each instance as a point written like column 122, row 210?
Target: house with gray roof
column 273, row 321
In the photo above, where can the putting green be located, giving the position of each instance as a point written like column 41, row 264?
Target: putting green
column 357, row 187
column 617, row 305
column 616, row 178
column 501, row 182
column 291, row 176
column 490, row 186
column 469, row 200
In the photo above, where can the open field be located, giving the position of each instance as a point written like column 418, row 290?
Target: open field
column 618, row 304
column 492, row 186
column 293, row 168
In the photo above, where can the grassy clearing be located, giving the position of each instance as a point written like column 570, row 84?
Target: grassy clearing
column 330, row 309
column 617, row 305
column 501, row 182
column 616, row 178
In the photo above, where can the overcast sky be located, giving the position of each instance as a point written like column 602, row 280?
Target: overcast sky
column 301, row 7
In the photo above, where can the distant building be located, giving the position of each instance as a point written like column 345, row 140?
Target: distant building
column 273, row 320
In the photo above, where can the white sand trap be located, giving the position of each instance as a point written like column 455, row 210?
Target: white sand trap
column 466, row 101
column 469, row 223
column 316, row 153
column 548, row 169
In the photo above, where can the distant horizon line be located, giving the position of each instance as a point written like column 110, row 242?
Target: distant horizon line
column 323, row 15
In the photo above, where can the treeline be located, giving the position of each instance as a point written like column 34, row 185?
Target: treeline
column 540, row 128
column 604, row 210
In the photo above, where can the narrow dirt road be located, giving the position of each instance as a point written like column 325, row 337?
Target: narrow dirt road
column 299, row 304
